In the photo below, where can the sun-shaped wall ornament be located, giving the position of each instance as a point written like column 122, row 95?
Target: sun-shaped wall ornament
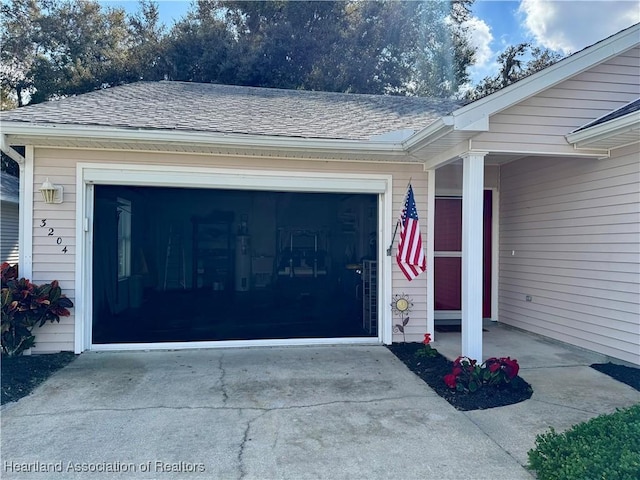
column 401, row 306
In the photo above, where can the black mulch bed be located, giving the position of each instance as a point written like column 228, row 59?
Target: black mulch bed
column 20, row 375
column 622, row 373
column 433, row 369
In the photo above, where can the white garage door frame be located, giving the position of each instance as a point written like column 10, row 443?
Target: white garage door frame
column 90, row 174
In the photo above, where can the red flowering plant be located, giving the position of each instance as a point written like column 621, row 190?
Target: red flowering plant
column 468, row 376
column 500, row 370
column 428, row 350
column 25, row 305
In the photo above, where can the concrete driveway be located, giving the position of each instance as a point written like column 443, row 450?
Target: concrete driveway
column 263, row 413
column 335, row 412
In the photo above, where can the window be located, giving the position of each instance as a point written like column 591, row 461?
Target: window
column 124, row 238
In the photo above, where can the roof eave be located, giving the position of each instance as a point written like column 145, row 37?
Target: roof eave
column 589, row 137
column 475, row 112
column 428, row 135
column 227, row 140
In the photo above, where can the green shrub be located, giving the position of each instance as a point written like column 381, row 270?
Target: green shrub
column 606, row 447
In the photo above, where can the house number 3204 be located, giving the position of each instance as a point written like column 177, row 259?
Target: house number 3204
column 51, row 233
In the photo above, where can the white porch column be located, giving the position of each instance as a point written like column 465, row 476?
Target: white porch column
column 472, row 215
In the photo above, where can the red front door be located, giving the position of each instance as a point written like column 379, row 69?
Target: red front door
column 448, row 254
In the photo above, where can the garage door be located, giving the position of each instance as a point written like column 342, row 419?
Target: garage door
column 207, row 257
column 193, row 265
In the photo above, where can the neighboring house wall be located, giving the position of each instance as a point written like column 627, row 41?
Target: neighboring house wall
column 570, row 238
column 540, row 123
column 59, row 165
column 9, row 228
column 9, row 218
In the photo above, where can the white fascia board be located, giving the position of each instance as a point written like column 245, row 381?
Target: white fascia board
column 467, row 116
column 430, row 134
column 475, row 116
column 479, row 125
column 588, row 136
column 229, row 140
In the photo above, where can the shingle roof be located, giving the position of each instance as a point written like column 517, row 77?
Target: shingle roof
column 10, row 188
column 619, row 112
column 199, row 107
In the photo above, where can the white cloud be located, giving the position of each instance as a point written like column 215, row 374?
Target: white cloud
column 569, row 26
column 480, row 37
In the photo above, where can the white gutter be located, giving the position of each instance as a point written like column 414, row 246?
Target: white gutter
column 10, row 151
column 231, row 140
column 471, row 118
column 617, row 126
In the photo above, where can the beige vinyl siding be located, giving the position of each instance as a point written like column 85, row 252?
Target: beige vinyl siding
column 415, row 289
column 49, row 262
column 9, row 230
column 540, row 123
column 573, row 226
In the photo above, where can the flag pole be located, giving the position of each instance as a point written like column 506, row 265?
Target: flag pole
column 393, row 239
column 398, row 221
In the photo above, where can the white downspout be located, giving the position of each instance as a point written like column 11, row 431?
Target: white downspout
column 25, row 205
column 10, row 151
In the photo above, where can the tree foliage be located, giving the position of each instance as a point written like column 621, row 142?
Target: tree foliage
column 55, row 48
column 514, row 68
column 147, row 44
column 20, row 39
column 382, row 47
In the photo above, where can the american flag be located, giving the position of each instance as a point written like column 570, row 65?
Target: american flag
column 410, row 257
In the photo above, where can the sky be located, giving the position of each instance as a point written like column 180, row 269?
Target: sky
column 566, row 26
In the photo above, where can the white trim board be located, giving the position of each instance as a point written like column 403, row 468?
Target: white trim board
column 25, row 220
column 495, row 252
column 289, row 342
column 89, row 174
column 219, row 178
column 431, row 220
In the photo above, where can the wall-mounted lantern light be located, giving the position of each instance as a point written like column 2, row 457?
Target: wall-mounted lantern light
column 51, row 193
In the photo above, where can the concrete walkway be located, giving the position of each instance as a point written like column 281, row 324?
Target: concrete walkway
column 286, row 413
column 566, row 390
